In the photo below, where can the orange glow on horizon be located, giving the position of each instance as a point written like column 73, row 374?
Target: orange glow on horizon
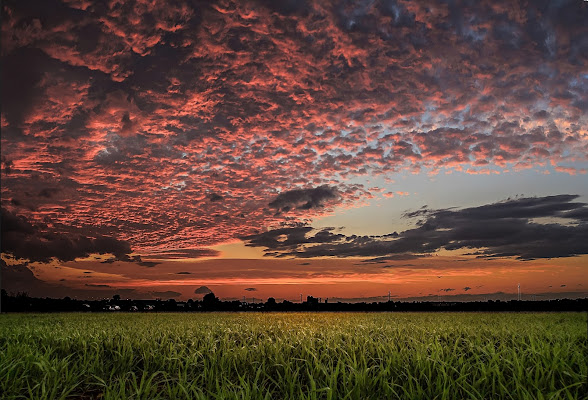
column 444, row 276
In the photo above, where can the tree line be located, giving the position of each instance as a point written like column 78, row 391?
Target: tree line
column 21, row 302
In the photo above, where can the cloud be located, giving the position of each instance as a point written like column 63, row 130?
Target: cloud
column 185, row 253
column 49, row 192
column 6, row 165
column 510, row 228
column 447, row 290
column 467, row 288
column 36, row 242
column 148, row 264
column 183, row 273
column 215, row 197
column 19, row 278
column 250, row 289
column 202, row 290
column 305, row 199
column 301, row 98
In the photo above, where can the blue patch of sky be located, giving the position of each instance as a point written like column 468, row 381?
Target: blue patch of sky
column 382, row 215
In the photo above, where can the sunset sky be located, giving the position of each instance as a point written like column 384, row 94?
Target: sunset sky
column 339, row 149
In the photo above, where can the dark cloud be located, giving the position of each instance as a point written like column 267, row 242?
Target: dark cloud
column 215, row 197
column 203, row 290
column 291, row 238
column 447, row 290
column 97, row 285
column 148, row 264
column 21, row 73
column 19, row 278
column 7, row 165
column 250, row 289
column 186, row 253
column 394, row 257
column 49, row 192
column 505, row 229
column 305, row 199
column 285, row 7
column 34, row 242
column 183, row 273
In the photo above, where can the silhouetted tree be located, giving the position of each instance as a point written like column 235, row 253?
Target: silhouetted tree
column 171, row 305
column 270, row 304
column 209, row 300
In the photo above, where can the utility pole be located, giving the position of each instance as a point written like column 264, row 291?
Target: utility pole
column 388, row 296
column 519, row 292
column 300, row 298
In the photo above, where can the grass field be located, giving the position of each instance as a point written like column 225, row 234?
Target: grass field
column 293, row 356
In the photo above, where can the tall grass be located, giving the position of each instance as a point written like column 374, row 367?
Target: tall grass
column 293, row 356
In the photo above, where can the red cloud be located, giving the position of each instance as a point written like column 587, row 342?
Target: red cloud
column 139, row 114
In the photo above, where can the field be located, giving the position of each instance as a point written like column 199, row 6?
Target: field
column 294, row 356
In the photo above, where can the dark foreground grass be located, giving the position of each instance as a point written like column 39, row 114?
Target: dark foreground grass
column 293, row 356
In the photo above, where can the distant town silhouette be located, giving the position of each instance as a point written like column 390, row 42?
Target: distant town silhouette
column 21, row 302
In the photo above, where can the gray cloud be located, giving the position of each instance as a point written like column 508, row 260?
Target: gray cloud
column 203, row 290
column 505, row 229
column 185, row 253
column 35, row 242
column 148, row 264
column 305, row 199
column 215, row 197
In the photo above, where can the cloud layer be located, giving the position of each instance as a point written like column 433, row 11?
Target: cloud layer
column 187, row 124
column 22, row 239
column 523, row 228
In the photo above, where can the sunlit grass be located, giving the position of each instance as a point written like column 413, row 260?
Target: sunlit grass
column 293, row 356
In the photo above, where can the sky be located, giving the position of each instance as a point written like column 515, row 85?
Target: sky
column 347, row 150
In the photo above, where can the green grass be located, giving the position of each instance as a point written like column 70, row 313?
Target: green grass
column 293, row 356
